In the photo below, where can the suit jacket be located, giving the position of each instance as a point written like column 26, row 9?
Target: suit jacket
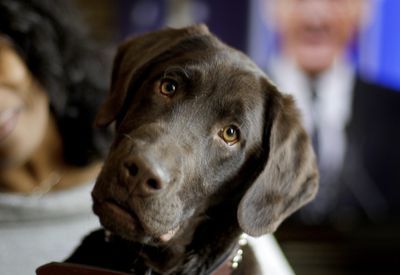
column 370, row 180
column 359, row 233
column 367, row 188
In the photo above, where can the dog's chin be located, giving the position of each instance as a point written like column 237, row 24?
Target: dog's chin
column 125, row 224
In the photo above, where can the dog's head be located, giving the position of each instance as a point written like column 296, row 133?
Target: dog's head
column 198, row 123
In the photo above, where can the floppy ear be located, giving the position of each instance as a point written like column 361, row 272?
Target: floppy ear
column 290, row 176
column 132, row 58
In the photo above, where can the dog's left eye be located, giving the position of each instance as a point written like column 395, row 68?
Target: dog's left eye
column 168, row 87
column 230, row 134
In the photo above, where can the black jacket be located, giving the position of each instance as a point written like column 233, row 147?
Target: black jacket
column 367, row 189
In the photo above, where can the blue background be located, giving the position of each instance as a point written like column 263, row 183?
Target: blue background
column 375, row 53
column 387, row 24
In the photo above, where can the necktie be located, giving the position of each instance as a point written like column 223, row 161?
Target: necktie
column 315, row 118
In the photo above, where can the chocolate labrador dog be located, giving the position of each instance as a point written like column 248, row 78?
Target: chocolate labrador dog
column 206, row 148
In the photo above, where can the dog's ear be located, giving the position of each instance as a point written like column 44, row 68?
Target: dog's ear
column 290, row 176
column 132, row 57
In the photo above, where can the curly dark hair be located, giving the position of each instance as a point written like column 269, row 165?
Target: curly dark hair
column 50, row 37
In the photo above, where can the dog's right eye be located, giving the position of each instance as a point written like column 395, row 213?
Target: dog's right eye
column 168, row 87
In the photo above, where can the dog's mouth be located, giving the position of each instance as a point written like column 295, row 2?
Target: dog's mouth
column 124, row 222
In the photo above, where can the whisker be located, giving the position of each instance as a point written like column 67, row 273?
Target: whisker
column 128, row 136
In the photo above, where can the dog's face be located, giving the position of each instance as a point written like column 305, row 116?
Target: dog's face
column 196, row 120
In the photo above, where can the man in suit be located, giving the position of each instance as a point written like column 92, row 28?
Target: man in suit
column 354, row 123
column 352, row 226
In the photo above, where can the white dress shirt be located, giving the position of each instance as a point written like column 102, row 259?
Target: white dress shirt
column 329, row 112
column 332, row 107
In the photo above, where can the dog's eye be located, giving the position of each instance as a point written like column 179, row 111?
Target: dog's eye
column 168, row 87
column 230, row 134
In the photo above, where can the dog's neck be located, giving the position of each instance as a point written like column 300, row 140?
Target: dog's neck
column 177, row 260
column 210, row 245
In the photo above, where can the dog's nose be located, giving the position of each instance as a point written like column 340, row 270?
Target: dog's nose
column 148, row 177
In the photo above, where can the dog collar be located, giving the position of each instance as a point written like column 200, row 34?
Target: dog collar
column 235, row 258
column 226, row 267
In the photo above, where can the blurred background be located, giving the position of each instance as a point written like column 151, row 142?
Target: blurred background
column 239, row 23
column 317, row 248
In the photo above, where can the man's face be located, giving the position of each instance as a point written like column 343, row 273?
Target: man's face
column 315, row 32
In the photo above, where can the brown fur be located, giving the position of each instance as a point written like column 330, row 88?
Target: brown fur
column 168, row 167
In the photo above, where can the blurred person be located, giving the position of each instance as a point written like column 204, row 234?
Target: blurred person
column 354, row 123
column 52, row 79
column 352, row 225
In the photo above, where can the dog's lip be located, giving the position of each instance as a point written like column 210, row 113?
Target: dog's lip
column 128, row 218
column 119, row 214
column 169, row 235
